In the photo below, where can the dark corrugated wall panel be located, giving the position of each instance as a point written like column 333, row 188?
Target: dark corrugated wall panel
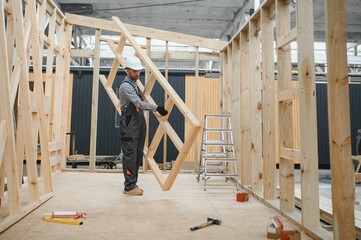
column 322, row 118
column 108, row 139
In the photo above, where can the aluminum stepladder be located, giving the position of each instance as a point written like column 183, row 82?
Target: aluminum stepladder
column 217, row 158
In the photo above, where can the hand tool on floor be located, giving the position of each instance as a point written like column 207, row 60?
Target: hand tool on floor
column 210, row 221
column 60, row 220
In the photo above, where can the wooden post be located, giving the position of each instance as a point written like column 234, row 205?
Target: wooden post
column 268, row 106
column 197, row 99
column 236, row 97
column 246, row 165
column 342, row 172
column 308, row 116
column 95, row 95
column 287, row 177
column 224, row 99
column 256, row 106
column 148, row 76
column 6, row 114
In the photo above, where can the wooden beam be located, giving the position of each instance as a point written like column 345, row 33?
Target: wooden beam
column 3, row 137
column 25, row 95
column 290, row 154
column 288, row 94
column 287, row 38
column 146, row 32
column 6, row 114
column 339, row 121
column 236, row 97
column 287, row 191
column 95, row 96
column 268, row 105
column 81, row 53
column 39, row 91
column 246, row 165
column 116, row 63
column 113, row 97
column 308, row 115
column 256, row 105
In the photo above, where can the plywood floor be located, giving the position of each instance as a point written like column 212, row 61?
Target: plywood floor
column 155, row 215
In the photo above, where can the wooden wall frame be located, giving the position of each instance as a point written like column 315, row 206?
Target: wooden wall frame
column 288, row 140
column 35, row 111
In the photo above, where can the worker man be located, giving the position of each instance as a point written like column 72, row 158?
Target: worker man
column 132, row 124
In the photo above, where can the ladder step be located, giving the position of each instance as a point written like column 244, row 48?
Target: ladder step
column 219, row 175
column 217, row 129
column 221, row 159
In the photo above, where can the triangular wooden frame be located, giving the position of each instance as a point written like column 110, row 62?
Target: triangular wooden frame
column 173, row 100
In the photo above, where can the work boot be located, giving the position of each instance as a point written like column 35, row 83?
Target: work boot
column 139, row 188
column 135, row 191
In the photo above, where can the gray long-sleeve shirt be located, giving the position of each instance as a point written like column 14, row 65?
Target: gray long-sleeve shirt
column 129, row 93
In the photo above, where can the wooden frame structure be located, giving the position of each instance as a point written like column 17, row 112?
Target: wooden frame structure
column 152, row 75
column 281, row 103
column 34, row 102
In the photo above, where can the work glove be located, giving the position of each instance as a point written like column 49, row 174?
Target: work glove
column 162, row 110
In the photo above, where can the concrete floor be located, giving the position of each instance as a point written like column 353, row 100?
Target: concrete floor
column 155, row 215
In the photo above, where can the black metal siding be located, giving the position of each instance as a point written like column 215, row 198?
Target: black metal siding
column 108, row 142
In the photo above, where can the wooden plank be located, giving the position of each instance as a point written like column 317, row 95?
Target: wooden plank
column 6, row 114
column 95, row 96
column 192, row 134
column 246, row 165
column 162, row 81
column 38, row 89
column 268, row 105
column 256, row 105
column 3, row 137
column 286, row 107
column 25, row 96
column 290, row 154
column 236, row 98
column 196, row 103
column 82, row 53
column 308, row 115
column 287, row 38
column 66, row 107
column 339, row 121
column 191, row 56
column 146, row 32
column 113, row 97
column 229, row 87
column 224, row 75
column 288, row 94
column 116, row 63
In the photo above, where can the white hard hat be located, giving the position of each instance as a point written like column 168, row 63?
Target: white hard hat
column 133, row 63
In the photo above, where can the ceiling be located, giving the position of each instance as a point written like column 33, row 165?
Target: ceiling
column 204, row 18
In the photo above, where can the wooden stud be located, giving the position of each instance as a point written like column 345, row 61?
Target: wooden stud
column 268, row 105
column 287, row 192
column 246, row 165
column 256, row 105
column 236, row 101
column 95, row 96
column 339, row 121
column 6, row 114
column 308, row 116
column 116, row 64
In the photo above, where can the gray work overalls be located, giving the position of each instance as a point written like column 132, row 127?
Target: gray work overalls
column 132, row 136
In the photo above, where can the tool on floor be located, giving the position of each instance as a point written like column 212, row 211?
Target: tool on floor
column 210, row 221
column 65, row 221
column 68, row 214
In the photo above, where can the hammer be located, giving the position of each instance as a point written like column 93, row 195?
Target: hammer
column 210, row 221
